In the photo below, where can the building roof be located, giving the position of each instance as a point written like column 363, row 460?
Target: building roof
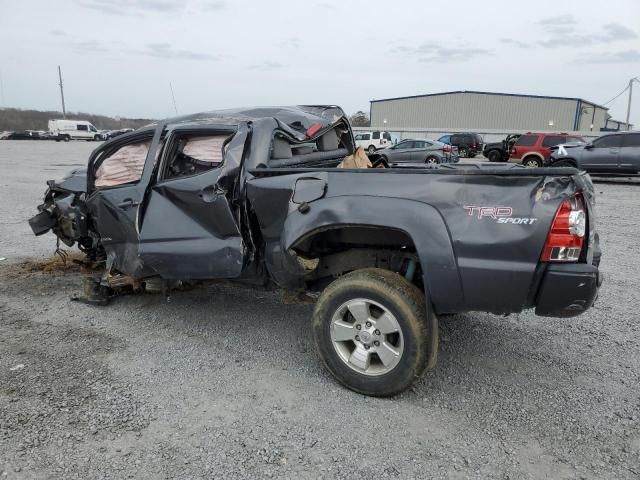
column 491, row 93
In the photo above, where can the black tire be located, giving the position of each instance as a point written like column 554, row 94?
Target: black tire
column 472, row 155
column 66, row 138
column 494, row 156
column 371, row 150
column 564, row 163
column 417, row 323
column 532, row 162
column 463, row 152
column 432, row 159
column 97, row 138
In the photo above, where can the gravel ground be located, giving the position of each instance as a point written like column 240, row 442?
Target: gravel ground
column 222, row 381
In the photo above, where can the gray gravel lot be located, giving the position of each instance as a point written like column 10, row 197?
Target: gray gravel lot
column 222, row 381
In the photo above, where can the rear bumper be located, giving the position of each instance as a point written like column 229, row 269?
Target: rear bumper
column 567, row 290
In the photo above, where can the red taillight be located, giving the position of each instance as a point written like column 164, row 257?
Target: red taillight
column 446, row 149
column 566, row 237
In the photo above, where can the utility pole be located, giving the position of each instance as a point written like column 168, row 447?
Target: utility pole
column 629, row 104
column 64, row 110
column 1, row 91
column 174, row 98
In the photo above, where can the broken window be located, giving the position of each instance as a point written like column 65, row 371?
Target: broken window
column 325, row 150
column 193, row 155
column 125, row 165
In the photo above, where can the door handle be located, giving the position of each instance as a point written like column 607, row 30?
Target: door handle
column 128, row 202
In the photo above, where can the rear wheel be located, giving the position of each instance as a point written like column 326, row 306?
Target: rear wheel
column 564, row 163
column 371, row 150
column 66, row 138
column 374, row 332
column 494, row 156
column 531, row 162
column 432, row 159
column 463, row 152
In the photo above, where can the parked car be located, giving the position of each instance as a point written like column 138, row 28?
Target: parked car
column 468, row 144
column 73, row 130
column 109, row 134
column 420, row 151
column 533, row 149
column 238, row 195
column 499, row 151
column 372, row 141
column 615, row 153
column 24, row 135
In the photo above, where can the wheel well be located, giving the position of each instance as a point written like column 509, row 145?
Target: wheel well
column 572, row 161
column 333, row 252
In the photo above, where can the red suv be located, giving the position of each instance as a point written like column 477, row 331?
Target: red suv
column 532, row 149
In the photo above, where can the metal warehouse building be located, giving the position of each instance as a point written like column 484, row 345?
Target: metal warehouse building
column 484, row 111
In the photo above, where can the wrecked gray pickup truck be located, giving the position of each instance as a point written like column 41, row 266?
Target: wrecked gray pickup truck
column 255, row 195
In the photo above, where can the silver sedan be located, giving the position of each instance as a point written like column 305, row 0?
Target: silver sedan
column 420, row 151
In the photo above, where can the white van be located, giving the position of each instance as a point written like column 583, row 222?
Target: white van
column 372, row 141
column 73, row 130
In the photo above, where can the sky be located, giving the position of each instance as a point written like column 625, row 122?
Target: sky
column 119, row 57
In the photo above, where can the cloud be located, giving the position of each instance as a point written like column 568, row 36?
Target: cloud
column 624, row 56
column 266, row 66
column 57, row 33
column 433, row 52
column 513, row 41
column 293, row 42
column 165, row 50
column 133, row 7
column 215, row 6
column 615, row 31
column 611, row 32
column 88, row 46
column 566, row 19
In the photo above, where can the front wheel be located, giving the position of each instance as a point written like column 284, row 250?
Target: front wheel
column 494, row 156
column 374, row 331
column 66, row 138
column 463, row 152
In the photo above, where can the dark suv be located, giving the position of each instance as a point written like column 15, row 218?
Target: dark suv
column 469, row 144
column 615, row 153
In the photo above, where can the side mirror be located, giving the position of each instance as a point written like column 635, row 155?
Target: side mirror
column 588, row 146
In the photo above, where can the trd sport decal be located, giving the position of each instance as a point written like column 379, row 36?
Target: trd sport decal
column 499, row 214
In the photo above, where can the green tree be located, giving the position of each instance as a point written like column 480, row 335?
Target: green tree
column 359, row 119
